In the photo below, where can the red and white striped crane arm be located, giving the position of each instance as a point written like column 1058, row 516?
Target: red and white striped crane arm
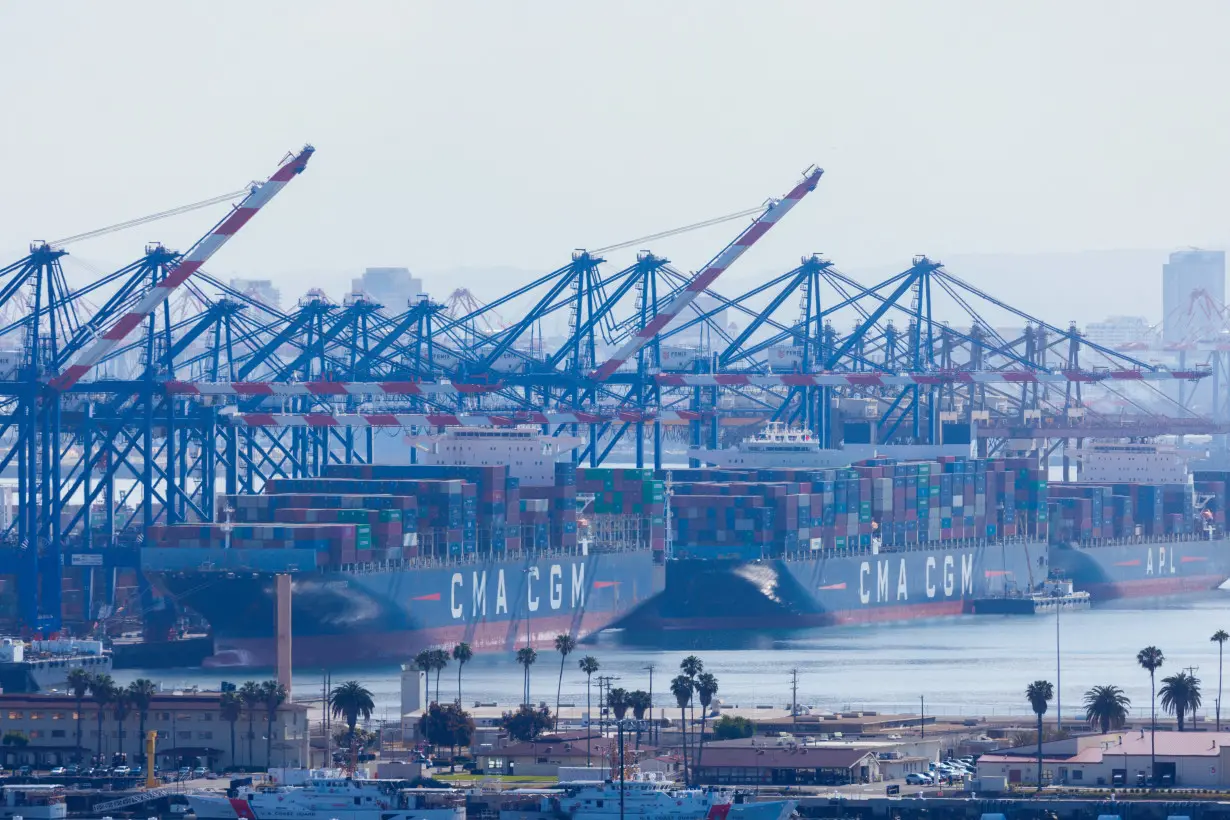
column 708, row 274
column 190, row 263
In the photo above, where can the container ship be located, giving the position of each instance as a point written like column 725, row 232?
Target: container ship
column 493, row 540
column 888, row 540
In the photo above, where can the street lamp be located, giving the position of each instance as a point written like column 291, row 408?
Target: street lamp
column 622, row 725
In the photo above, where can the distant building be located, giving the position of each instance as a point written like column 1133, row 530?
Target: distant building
column 1120, row 331
column 395, row 288
column 1193, row 291
column 261, row 289
column 701, row 334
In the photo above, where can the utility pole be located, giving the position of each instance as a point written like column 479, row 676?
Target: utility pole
column 650, row 667
column 1058, row 677
column 922, row 715
column 794, row 695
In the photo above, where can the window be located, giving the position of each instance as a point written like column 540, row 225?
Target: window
column 36, row 716
column 57, row 716
column 14, row 715
column 57, row 733
column 184, row 716
column 35, row 734
column 204, row 735
column 163, row 734
column 1078, row 774
column 164, row 715
column 208, row 716
column 184, row 736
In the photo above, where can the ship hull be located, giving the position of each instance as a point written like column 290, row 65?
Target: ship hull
column 388, row 615
column 1144, row 570
column 836, row 590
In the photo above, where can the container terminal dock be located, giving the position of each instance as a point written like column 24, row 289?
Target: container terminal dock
column 171, row 428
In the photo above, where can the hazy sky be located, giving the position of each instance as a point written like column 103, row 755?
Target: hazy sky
column 467, row 135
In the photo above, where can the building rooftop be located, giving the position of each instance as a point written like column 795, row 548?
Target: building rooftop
column 781, row 757
column 1093, row 748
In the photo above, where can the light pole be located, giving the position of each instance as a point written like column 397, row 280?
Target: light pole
column 1058, row 665
column 650, row 667
column 621, row 725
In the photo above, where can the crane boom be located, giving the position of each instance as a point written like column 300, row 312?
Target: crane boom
column 189, row 263
column 710, row 272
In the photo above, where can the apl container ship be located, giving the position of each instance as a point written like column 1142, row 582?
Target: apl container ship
column 493, row 541
column 882, row 540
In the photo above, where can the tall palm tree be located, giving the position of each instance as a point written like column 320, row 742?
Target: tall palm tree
column 350, row 701
column 439, row 660
column 589, row 665
column 141, row 694
column 1219, row 638
column 1180, row 695
column 1151, row 659
column 1039, row 693
column 618, row 702
column 462, row 653
column 706, row 688
column 681, row 688
column 526, row 657
column 252, row 697
column 692, row 666
column 275, row 695
column 102, row 691
column 564, row 644
column 425, row 662
column 79, row 684
column 1106, row 707
column 122, row 705
column 640, row 703
column 231, row 706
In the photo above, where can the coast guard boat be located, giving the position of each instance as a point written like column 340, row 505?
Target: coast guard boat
column 329, row 799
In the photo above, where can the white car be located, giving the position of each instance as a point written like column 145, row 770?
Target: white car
column 918, row 779
column 58, row 771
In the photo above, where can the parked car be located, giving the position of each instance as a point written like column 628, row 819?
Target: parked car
column 918, row 779
column 121, row 771
column 58, row 771
column 198, row 772
column 73, row 770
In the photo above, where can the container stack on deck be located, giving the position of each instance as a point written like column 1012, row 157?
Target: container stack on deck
column 627, row 496
column 766, row 513
column 1088, row 512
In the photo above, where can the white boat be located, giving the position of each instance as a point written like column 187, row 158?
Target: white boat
column 780, row 446
column 643, row 797
column 330, row 799
column 33, row 802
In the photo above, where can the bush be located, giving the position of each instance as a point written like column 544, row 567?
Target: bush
column 733, row 728
column 527, row 723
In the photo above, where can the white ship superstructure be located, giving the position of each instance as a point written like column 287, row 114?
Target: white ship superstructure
column 529, row 454
column 781, row 446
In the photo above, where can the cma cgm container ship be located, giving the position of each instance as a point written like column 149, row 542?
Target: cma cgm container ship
column 882, row 540
column 492, row 541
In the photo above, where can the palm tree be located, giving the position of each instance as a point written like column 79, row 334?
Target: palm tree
column 1220, row 638
column 351, row 700
column 640, row 703
column 1151, row 658
column 252, row 697
column 462, row 653
column 681, row 688
column 706, row 688
column 231, row 706
column 692, row 666
column 79, row 684
column 1039, row 693
column 425, row 662
column 122, row 705
column 1180, row 695
column 1106, row 707
column 102, row 690
column 589, row 665
column 439, row 660
column 274, row 696
column 564, row 644
column 141, row 694
column 526, row 657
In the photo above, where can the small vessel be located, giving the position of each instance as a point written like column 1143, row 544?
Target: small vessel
column 1045, row 598
column 42, row 665
column 33, row 802
column 330, row 799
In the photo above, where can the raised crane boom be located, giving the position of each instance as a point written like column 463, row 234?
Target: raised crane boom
column 190, row 263
column 710, row 272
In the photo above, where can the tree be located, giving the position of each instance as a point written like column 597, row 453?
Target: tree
column 122, row 705
column 681, row 688
column 462, row 653
column 732, row 728
column 527, row 723
column 350, row 701
column 1181, row 695
column 1039, row 693
column 425, row 662
column 1150, row 659
column 589, row 665
column 252, row 697
column 102, row 691
column 526, row 657
column 640, row 703
column 79, row 684
column 231, row 706
column 692, row 666
column 140, row 694
column 448, row 726
column 1106, row 707
column 1219, row 638
column 706, row 688
column 439, row 660
column 274, row 695
column 564, row 644
column 15, row 738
